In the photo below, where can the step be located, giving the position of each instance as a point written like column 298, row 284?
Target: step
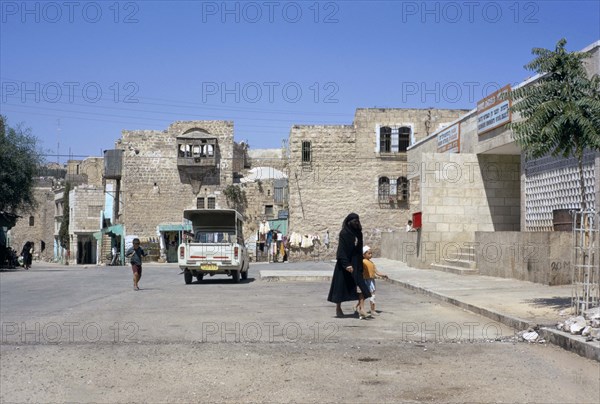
column 460, row 263
column 454, row 269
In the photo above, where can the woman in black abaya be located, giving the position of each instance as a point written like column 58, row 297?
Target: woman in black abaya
column 347, row 280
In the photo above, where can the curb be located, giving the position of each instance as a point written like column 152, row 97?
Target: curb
column 556, row 337
column 290, row 276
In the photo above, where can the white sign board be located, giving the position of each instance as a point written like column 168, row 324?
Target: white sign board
column 493, row 111
column 448, row 140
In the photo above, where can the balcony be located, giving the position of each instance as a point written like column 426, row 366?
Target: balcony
column 197, row 153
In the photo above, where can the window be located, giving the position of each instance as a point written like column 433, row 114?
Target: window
column 306, row 152
column 200, row 203
column 196, row 150
column 403, row 188
column 384, row 189
column 385, row 139
column 269, row 210
column 211, row 202
column 210, row 150
column 394, row 139
column 31, row 221
column 404, row 138
column 185, row 150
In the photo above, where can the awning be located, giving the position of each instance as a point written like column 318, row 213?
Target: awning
column 174, row 227
column 114, row 230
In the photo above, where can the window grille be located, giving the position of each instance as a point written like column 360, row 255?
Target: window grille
column 211, row 203
column 306, row 152
column 385, row 139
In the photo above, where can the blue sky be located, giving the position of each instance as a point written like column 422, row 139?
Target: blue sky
column 79, row 72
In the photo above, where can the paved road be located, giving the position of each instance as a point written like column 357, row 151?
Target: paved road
column 83, row 334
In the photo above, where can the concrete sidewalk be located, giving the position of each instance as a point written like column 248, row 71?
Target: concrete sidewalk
column 518, row 304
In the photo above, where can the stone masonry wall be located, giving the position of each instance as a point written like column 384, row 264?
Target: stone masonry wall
column 86, row 203
column 42, row 229
column 343, row 176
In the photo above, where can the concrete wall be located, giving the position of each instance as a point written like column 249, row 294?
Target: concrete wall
column 464, row 193
column 403, row 246
column 541, row 257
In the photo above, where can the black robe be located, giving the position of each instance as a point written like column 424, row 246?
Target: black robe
column 349, row 253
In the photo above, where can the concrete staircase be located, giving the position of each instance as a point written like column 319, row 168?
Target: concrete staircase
column 460, row 263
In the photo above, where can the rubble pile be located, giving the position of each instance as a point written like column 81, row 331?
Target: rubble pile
column 587, row 325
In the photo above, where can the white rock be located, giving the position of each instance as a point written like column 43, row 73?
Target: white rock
column 595, row 332
column 530, row 336
column 595, row 323
column 586, row 331
column 575, row 324
column 560, row 326
column 592, row 314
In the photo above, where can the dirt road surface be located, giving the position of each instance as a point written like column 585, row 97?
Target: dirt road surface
column 83, row 335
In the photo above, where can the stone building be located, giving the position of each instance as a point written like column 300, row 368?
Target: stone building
column 85, row 207
column 37, row 226
column 337, row 169
column 485, row 207
column 190, row 165
column 42, row 225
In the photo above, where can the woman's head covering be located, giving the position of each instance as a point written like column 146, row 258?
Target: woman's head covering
column 348, row 218
column 356, row 232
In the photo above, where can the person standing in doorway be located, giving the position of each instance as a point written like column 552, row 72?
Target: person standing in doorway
column 135, row 254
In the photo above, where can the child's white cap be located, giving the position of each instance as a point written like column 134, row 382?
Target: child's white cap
column 366, row 248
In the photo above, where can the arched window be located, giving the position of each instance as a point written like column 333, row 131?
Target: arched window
column 385, row 139
column 403, row 138
column 403, row 189
column 384, row 189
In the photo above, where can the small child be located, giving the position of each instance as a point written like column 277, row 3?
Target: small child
column 136, row 253
column 370, row 273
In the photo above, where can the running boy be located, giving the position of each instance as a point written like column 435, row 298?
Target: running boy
column 136, row 253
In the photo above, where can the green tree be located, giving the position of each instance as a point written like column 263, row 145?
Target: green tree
column 63, row 232
column 561, row 110
column 20, row 160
